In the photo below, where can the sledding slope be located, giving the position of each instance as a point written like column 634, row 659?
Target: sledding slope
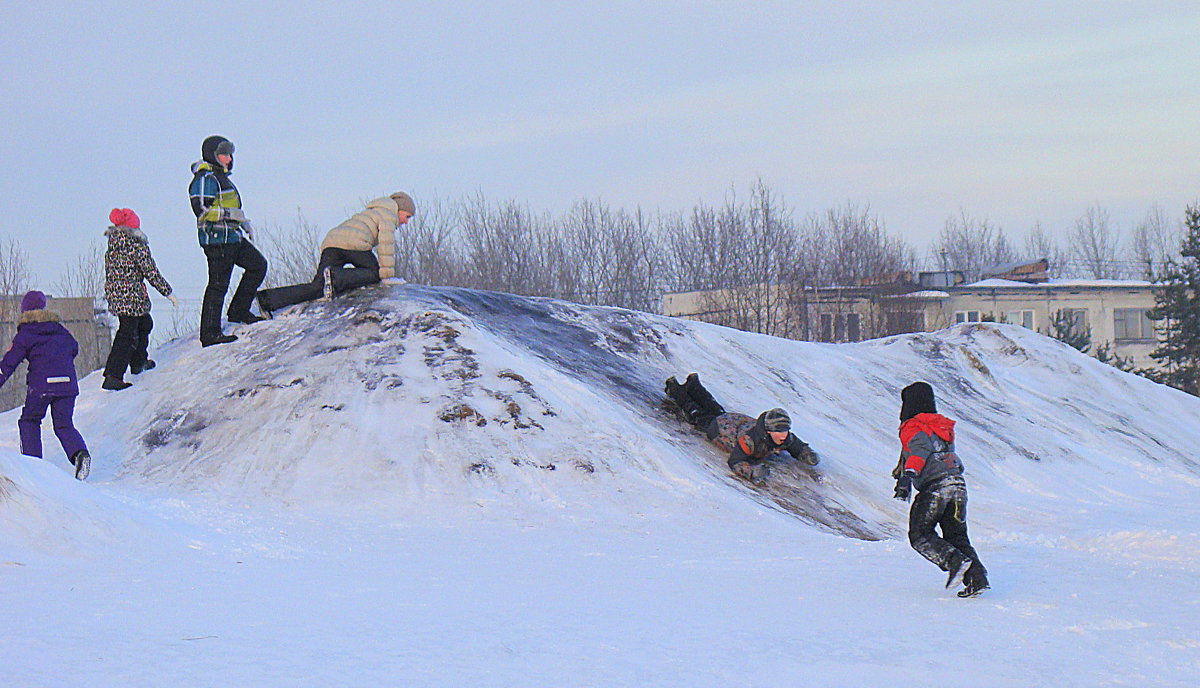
column 442, row 401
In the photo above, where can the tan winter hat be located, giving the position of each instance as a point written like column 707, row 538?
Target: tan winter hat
column 404, row 202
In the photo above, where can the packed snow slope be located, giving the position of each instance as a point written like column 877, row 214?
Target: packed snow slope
column 446, row 401
column 440, row 487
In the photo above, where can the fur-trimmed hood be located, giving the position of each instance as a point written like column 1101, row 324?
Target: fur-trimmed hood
column 39, row 315
column 117, row 231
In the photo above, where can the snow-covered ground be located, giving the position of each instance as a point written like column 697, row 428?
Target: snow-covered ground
column 418, row 486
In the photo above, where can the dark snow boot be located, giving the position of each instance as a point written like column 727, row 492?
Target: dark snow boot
column 139, row 369
column 218, row 339
column 958, row 569
column 975, row 580
column 246, row 318
column 83, row 464
column 691, row 410
column 701, row 396
column 264, row 304
column 115, row 384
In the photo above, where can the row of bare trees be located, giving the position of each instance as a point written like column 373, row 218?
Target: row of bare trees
column 597, row 254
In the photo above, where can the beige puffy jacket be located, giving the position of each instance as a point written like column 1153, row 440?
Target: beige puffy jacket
column 369, row 229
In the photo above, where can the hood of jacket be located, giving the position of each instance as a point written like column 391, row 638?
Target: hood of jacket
column 928, row 423
column 208, row 153
column 385, row 203
column 39, row 315
column 118, row 233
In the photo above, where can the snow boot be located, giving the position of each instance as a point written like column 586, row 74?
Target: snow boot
column 264, row 305
column 139, row 369
column 975, row 579
column 958, row 569
column 246, row 318
column 83, row 464
column 115, row 384
column 701, row 396
column 218, row 339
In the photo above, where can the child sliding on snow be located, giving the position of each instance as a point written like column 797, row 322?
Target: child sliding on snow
column 51, row 351
column 928, row 462
column 748, row 441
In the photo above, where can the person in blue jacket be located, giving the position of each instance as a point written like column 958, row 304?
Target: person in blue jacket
column 52, row 383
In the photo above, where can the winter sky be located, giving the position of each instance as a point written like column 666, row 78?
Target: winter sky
column 1020, row 112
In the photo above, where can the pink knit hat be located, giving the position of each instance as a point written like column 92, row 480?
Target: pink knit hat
column 124, row 217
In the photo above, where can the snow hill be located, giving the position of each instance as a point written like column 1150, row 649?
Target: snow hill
column 452, row 408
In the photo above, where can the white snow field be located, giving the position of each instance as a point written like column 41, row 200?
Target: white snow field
column 418, row 486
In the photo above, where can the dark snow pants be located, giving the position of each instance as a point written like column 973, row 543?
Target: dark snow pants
column 221, row 259
column 62, row 408
column 130, row 347
column 364, row 270
column 943, row 504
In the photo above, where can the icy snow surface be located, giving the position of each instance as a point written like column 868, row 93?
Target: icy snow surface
column 417, row 486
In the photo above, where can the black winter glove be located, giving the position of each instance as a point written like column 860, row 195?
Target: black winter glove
column 903, row 487
column 807, row 455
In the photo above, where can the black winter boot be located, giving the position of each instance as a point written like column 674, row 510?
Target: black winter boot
column 115, row 384
column 701, row 396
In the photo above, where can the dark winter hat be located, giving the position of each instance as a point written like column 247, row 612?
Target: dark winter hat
column 213, row 145
column 404, row 202
column 33, row 301
column 124, row 217
column 776, row 420
column 916, row 398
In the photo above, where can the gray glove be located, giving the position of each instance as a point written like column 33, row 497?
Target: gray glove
column 235, row 214
column 245, row 225
column 904, row 486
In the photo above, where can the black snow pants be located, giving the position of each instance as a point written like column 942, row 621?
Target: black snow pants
column 130, row 345
column 363, row 270
column 943, row 504
column 221, row 260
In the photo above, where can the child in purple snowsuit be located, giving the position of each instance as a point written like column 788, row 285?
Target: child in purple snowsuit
column 52, row 382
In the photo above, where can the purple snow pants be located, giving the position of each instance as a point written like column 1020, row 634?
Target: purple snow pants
column 61, row 410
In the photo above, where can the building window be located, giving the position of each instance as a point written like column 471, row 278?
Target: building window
column 967, row 316
column 1024, row 318
column 902, row 322
column 853, row 327
column 1077, row 317
column 1131, row 324
column 841, row 327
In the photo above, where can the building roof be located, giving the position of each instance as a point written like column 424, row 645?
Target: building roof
column 995, row 283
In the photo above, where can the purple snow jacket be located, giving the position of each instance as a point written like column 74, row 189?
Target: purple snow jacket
column 51, row 352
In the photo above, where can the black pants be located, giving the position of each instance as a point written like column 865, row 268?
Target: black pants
column 364, row 270
column 221, row 259
column 130, row 344
column 943, row 505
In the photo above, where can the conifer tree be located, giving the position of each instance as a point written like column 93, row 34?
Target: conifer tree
column 1177, row 312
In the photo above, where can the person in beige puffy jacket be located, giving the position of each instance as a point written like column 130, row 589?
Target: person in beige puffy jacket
column 348, row 254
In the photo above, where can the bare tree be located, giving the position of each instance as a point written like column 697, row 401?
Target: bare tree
column 849, row 243
column 291, row 252
column 1039, row 244
column 1095, row 244
column 85, row 276
column 972, row 245
column 506, row 248
column 1156, row 240
column 14, row 277
column 427, row 249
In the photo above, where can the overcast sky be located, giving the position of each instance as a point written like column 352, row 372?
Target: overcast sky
column 1019, row 112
